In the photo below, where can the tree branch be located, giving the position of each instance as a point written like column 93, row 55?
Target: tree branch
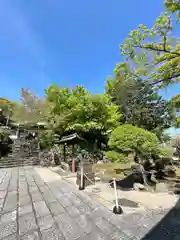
column 170, row 78
column 156, row 49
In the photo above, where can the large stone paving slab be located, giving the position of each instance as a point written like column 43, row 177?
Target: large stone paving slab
column 38, row 205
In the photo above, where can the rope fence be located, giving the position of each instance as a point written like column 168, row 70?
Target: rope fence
column 117, row 208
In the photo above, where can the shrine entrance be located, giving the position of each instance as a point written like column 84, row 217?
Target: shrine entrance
column 71, row 142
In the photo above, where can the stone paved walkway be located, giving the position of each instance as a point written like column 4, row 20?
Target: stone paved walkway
column 37, row 205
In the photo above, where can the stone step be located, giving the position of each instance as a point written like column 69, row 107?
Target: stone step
column 14, row 162
column 22, row 156
column 19, row 161
column 18, row 155
column 18, row 165
column 17, row 158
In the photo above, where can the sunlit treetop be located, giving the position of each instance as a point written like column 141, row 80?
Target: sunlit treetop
column 153, row 53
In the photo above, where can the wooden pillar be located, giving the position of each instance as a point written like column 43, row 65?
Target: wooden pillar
column 73, row 159
column 17, row 131
column 64, row 152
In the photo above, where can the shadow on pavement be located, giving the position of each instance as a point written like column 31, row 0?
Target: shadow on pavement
column 124, row 202
column 168, row 228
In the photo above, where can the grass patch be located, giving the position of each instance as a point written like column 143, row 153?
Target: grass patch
column 109, row 169
column 178, row 172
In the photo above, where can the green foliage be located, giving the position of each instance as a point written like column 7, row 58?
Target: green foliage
column 176, row 103
column 162, row 136
column 77, row 110
column 152, row 61
column 4, row 141
column 4, row 136
column 178, row 122
column 166, row 151
column 155, row 53
column 173, row 6
column 130, row 139
column 46, row 139
column 7, row 108
column 140, row 103
column 30, row 110
column 116, row 156
column 177, row 145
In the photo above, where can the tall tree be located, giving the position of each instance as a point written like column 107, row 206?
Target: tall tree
column 154, row 53
column 140, row 103
column 176, row 103
column 30, row 109
column 77, row 110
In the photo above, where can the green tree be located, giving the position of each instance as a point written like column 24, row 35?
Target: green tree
column 46, row 139
column 176, row 104
column 154, row 52
column 128, row 139
column 6, row 107
column 177, row 145
column 30, row 109
column 140, row 103
column 4, row 141
column 76, row 110
column 173, row 6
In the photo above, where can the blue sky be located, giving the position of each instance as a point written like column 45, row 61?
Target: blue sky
column 65, row 41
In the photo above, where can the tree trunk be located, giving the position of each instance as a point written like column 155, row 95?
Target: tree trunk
column 137, row 160
column 7, row 121
column 143, row 174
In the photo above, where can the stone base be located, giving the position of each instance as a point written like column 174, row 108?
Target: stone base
column 89, row 180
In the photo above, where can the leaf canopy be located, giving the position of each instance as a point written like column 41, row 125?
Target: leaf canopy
column 154, row 53
column 128, row 138
column 78, row 110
